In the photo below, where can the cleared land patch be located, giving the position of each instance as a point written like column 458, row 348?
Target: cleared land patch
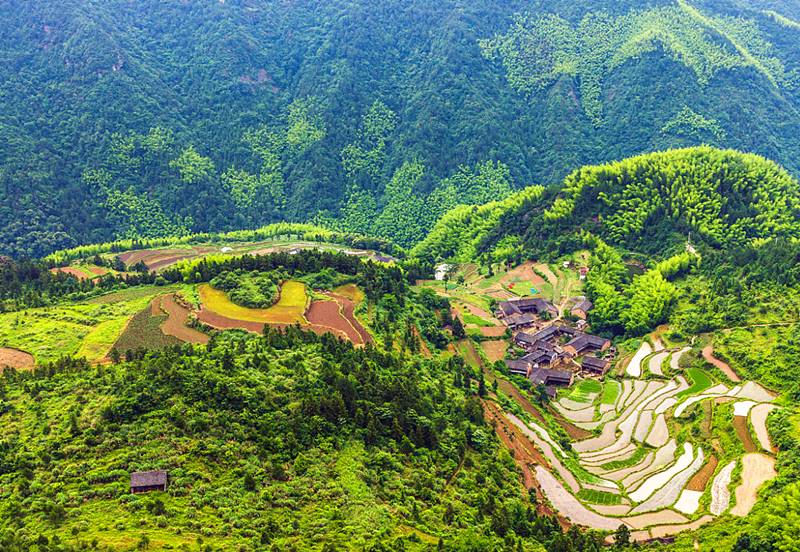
column 14, row 358
column 757, row 469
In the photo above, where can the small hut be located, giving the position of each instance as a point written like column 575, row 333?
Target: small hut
column 144, row 482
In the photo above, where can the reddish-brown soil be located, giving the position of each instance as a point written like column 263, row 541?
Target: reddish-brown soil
column 175, row 324
column 740, row 425
column 97, row 270
column 495, row 350
column 224, row 323
column 701, row 478
column 328, row 314
column 525, row 454
column 79, row 274
column 323, row 314
column 348, row 307
column 724, row 367
column 14, row 358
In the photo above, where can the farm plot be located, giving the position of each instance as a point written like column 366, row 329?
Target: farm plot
column 288, row 310
column 176, row 322
column 14, row 358
column 634, row 368
column 495, row 350
column 724, row 367
column 646, row 468
column 720, row 490
column 758, row 417
column 675, row 359
column 656, row 361
column 85, row 329
column 757, row 469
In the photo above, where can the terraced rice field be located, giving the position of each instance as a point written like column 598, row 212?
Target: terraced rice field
column 641, row 469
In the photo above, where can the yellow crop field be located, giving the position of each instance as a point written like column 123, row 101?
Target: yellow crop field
column 289, row 309
column 350, row 291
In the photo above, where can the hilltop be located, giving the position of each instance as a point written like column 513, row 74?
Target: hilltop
column 151, row 119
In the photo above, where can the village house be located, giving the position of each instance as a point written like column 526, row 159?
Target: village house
column 519, row 321
column 551, row 377
column 536, row 305
column 144, row 482
column 583, row 342
column 595, row 365
column 582, row 308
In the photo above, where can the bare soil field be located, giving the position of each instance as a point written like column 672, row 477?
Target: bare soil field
column 757, row 469
column 493, row 331
column 14, row 358
column 758, row 417
column 72, row 271
column 700, row 480
column 220, row 322
column 495, row 350
column 724, row 367
column 348, row 307
column 328, row 314
column 742, row 431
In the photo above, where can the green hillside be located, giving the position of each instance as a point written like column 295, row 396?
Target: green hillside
column 155, row 118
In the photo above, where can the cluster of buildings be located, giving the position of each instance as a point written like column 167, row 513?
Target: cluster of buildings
column 555, row 351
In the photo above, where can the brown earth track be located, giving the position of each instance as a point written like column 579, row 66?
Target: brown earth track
column 329, row 314
column 700, row 480
column 14, row 358
column 724, row 367
column 742, row 431
column 511, row 390
column 177, row 317
column 522, row 450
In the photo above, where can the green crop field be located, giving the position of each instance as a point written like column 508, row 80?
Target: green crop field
column 599, row 497
column 700, row 382
column 611, row 390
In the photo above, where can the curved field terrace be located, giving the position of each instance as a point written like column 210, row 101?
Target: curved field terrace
column 647, row 462
column 334, row 314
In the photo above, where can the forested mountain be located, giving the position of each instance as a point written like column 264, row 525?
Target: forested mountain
column 155, row 118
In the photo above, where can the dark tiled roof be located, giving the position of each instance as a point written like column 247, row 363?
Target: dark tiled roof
column 585, row 305
column 547, row 376
column 594, row 363
column 553, row 331
column 581, row 342
column 520, row 306
column 519, row 319
column 518, row 367
column 148, row 478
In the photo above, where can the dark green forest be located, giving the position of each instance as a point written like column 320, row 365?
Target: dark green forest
column 150, row 119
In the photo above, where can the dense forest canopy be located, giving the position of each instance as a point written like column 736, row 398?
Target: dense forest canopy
column 151, row 119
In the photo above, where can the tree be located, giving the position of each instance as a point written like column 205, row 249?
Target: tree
column 622, row 536
column 458, row 328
